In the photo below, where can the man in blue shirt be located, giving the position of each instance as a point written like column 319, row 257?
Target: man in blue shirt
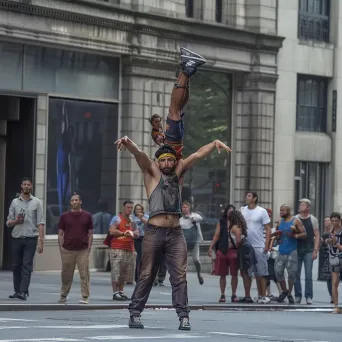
column 291, row 229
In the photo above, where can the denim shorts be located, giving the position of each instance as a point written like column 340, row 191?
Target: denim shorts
column 174, row 132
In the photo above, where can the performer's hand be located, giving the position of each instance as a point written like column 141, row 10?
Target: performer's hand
column 122, row 143
column 219, row 144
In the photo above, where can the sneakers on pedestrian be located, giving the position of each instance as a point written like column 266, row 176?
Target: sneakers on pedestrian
column 22, row 295
column 83, row 301
column 247, row 300
column 200, row 279
column 190, row 61
column 336, row 310
column 282, row 297
column 62, row 300
column 290, row 299
column 184, row 323
column 298, row 300
column 161, row 283
column 14, row 295
column 135, row 322
column 309, row 301
column 263, row 300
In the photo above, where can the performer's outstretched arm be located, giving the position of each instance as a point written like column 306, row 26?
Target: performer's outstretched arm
column 203, row 152
column 144, row 162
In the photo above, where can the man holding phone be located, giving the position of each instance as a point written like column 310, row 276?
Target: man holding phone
column 26, row 216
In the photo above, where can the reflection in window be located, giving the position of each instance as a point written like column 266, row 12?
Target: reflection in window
column 310, row 182
column 69, row 72
column 81, row 157
column 207, row 117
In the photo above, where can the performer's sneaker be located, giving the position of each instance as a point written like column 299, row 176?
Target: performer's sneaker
column 135, row 322
column 190, row 61
column 184, row 323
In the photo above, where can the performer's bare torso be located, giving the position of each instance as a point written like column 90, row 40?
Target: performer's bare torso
column 162, row 220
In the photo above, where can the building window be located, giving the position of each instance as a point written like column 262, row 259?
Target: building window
column 189, row 8
column 81, row 157
column 313, row 21
column 311, row 104
column 218, row 11
column 208, row 117
column 310, row 182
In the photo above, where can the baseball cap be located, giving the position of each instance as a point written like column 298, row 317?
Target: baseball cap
column 305, row 200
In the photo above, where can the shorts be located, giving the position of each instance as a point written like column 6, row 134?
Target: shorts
column 122, row 265
column 337, row 268
column 174, row 135
column 290, row 262
column 227, row 263
column 260, row 269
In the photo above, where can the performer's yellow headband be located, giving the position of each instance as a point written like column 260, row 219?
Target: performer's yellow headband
column 167, row 155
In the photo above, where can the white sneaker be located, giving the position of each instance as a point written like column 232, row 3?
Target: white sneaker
column 309, row 301
column 256, row 299
column 264, row 300
column 83, row 301
column 298, row 300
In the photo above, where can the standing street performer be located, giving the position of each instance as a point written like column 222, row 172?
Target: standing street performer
column 174, row 130
column 163, row 235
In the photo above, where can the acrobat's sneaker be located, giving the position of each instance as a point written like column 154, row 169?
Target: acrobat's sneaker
column 190, row 61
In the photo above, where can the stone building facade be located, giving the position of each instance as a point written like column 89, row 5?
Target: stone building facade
column 87, row 72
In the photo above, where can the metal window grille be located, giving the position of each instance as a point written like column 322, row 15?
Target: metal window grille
column 311, row 104
column 314, row 20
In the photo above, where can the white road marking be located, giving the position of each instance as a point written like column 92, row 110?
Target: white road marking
column 17, row 319
column 109, row 326
column 262, row 337
column 174, row 336
column 165, row 293
column 57, row 339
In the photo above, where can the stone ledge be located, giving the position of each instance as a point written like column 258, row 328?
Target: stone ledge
column 153, row 24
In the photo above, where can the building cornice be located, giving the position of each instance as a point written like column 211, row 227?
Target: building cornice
column 150, row 23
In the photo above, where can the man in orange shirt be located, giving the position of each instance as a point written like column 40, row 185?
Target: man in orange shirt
column 122, row 250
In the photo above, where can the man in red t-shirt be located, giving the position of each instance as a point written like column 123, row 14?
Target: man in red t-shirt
column 75, row 237
column 122, row 250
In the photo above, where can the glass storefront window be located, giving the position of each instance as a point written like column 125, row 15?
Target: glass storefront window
column 74, row 73
column 81, row 158
column 208, row 117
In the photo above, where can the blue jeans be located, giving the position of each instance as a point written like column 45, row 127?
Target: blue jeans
column 305, row 258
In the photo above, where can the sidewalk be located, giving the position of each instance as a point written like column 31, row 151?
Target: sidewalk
column 45, row 286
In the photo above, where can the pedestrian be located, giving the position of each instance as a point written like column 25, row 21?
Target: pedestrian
column 273, row 254
column 102, row 218
column 326, row 268
column 121, row 242
column 226, row 256
column 26, row 218
column 163, row 235
column 307, row 250
column 292, row 230
column 334, row 242
column 257, row 221
column 75, row 239
column 190, row 223
column 140, row 219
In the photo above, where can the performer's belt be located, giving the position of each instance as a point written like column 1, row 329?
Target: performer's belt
column 161, row 227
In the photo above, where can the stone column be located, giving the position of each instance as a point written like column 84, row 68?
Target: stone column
column 254, row 137
column 261, row 15
column 146, row 90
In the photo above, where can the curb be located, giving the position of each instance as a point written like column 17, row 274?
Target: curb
column 212, row 307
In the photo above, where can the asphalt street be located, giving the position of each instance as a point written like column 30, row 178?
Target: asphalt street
column 213, row 326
